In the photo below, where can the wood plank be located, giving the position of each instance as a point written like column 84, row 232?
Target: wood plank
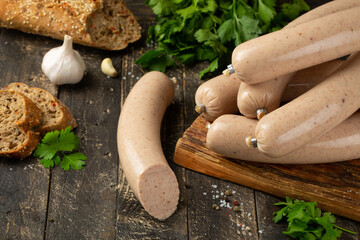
column 23, row 184
column 82, row 203
column 204, row 191
column 336, row 186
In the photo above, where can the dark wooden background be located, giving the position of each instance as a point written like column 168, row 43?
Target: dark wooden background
column 96, row 202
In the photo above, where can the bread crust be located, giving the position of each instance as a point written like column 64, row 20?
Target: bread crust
column 66, row 117
column 118, row 26
column 32, row 116
column 32, row 139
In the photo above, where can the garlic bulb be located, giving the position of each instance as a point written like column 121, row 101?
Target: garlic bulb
column 63, row 65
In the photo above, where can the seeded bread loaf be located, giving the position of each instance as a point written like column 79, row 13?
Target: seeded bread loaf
column 106, row 24
column 18, row 116
column 56, row 116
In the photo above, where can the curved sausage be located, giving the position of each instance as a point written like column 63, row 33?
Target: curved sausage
column 227, row 133
column 312, row 114
column 217, row 96
column 139, row 145
column 304, row 45
column 254, row 100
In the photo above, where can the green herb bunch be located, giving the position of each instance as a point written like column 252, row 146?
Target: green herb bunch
column 306, row 221
column 191, row 31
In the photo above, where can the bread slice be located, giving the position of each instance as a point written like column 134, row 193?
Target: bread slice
column 15, row 142
column 17, row 109
column 106, row 24
column 56, row 116
column 18, row 116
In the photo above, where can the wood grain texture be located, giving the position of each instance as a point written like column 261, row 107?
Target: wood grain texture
column 82, row 203
column 23, row 184
column 336, row 186
column 203, row 191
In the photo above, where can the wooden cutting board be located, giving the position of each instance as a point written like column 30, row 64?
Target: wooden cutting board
column 334, row 186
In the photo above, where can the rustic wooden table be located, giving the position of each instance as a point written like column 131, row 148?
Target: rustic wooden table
column 96, row 202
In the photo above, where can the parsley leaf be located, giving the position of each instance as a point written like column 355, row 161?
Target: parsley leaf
column 293, row 10
column 75, row 160
column 190, row 31
column 56, row 144
column 306, row 222
column 266, row 10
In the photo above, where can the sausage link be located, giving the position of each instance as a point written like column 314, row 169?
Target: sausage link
column 312, row 114
column 217, row 96
column 304, row 45
column 255, row 101
column 268, row 95
column 308, row 78
column 139, row 145
column 227, row 133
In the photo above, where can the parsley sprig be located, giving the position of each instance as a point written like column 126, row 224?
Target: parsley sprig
column 56, row 148
column 191, row 31
column 306, row 221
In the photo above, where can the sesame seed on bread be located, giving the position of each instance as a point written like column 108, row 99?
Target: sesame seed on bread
column 106, row 24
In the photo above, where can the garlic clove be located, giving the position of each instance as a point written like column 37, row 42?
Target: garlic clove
column 107, row 68
column 63, row 65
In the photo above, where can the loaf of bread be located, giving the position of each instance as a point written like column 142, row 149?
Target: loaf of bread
column 18, row 116
column 106, row 24
column 56, row 116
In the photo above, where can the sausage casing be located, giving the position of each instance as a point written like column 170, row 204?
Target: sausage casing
column 227, row 133
column 139, row 145
column 266, row 96
column 292, row 49
column 217, row 96
column 312, row 114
